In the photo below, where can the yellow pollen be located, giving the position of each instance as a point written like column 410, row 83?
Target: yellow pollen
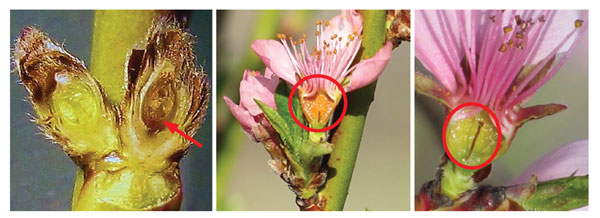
column 347, row 44
column 578, row 23
column 319, row 22
column 514, row 88
column 317, row 33
column 510, row 43
column 340, row 38
column 335, row 51
column 281, row 36
column 327, row 23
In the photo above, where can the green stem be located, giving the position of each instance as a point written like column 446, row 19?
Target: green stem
column 346, row 139
column 456, row 180
column 114, row 35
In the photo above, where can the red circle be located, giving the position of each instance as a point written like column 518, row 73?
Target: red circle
column 497, row 127
column 339, row 120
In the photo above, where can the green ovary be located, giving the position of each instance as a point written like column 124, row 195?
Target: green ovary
column 472, row 140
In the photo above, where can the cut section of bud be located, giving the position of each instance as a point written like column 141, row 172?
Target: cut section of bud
column 164, row 84
column 128, row 159
column 471, row 136
column 319, row 107
column 68, row 101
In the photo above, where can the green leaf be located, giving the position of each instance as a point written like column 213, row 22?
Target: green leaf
column 281, row 101
column 559, row 194
column 276, row 121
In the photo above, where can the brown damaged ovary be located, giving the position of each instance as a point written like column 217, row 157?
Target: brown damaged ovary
column 128, row 159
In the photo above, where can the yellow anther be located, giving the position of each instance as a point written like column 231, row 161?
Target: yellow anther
column 519, row 35
column 503, row 48
column 510, row 43
column 317, row 33
column 578, row 23
column 518, row 19
column 507, row 29
column 281, row 36
column 319, row 22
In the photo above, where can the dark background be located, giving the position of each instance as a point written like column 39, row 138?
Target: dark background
column 41, row 174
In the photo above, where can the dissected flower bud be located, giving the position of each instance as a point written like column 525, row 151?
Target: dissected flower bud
column 67, row 99
column 164, row 84
column 128, row 159
column 318, row 109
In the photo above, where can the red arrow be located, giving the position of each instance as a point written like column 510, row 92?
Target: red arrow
column 173, row 128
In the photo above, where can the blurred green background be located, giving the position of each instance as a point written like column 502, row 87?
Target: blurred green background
column 41, row 174
column 534, row 139
column 246, row 182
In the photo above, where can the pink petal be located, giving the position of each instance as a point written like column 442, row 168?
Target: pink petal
column 368, row 70
column 348, row 22
column 242, row 115
column 255, row 86
column 560, row 24
column 561, row 162
column 434, row 47
column 276, row 58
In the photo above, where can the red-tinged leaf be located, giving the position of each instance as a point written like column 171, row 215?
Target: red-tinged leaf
column 537, row 112
column 427, row 86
